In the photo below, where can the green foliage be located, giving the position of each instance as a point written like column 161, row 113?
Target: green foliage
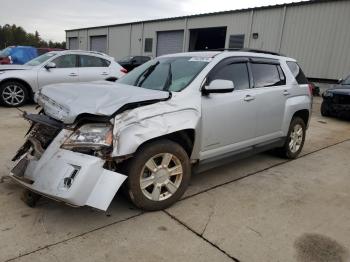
column 16, row 35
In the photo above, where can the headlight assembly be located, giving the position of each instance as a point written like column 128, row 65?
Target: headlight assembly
column 91, row 136
column 328, row 94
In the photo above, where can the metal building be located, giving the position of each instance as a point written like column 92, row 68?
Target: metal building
column 316, row 33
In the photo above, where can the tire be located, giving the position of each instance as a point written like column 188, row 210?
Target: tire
column 288, row 150
column 13, row 94
column 160, row 188
column 30, row 198
column 324, row 109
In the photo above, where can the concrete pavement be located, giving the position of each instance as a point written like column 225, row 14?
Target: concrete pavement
column 278, row 212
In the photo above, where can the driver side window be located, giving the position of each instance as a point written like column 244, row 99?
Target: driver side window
column 66, row 61
column 235, row 72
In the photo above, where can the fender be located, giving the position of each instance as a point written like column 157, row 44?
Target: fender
column 134, row 127
column 293, row 105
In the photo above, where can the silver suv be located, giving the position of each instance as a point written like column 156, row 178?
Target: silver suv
column 172, row 116
column 18, row 83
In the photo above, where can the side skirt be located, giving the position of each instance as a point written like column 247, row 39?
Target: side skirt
column 237, row 155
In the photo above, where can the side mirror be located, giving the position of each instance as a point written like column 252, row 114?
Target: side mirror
column 219, row 86
column 340, row 80
column 50, row 65
column 133, row 61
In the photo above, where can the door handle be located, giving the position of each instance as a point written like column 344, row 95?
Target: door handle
column 286, row 93
column 104, row 74
column 249, row 98
column 73, row 74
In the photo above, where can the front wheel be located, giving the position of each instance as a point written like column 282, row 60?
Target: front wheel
column 158, row 175
column 13, row 94
column 295, row 139
column 325, row 109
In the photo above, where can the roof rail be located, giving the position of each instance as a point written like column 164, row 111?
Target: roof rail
column 248, row 50
column 87, row 51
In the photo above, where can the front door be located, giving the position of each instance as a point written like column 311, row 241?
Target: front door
column 66, row 71
column 228, row 119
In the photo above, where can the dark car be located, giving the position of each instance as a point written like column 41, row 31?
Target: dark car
column 130, row 62
column 336, row 100
column 20, row 55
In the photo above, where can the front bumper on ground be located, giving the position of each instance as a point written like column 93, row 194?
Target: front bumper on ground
column 74, row 178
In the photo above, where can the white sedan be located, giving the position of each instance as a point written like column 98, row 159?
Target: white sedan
column 18, row 83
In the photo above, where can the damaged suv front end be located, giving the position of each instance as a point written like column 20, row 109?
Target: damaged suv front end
column 84, row 131
column 68, row 163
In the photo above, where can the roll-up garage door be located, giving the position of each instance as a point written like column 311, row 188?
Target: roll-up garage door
column 98, row 43
column 169, row 42
column 73, row 43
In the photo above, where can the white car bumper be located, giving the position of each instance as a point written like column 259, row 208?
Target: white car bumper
column 74, row 178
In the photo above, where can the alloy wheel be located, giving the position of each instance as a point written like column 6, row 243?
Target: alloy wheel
column 161, row 176
column 296, row 138
column 13, row 95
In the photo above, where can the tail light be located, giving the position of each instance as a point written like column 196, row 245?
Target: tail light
column 311, row 88
column 5, row 61
column 123, row 70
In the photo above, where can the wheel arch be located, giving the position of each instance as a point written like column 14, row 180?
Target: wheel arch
column 184, row 138
column 304, row 114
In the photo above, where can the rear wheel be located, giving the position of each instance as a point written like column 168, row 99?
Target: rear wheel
column 158, row 175
column 13, row 94
column 295, row 139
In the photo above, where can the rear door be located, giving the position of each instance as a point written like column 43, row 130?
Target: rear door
column 92, row 68
column 66, row 71
column 228, row 119
column 270, row 92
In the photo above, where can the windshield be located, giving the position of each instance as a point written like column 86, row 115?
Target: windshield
column 5, row 52
column 167, row 73
column 40, row 59
column 346, row 81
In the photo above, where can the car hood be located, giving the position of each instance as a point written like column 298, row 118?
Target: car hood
column 340, row 89
column 14, row 67
column 65, row 102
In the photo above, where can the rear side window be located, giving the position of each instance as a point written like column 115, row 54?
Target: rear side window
column 266, row 75
column 93, row 61
column 297, row 73
column 237, row 73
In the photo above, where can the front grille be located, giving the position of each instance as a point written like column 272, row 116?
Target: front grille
column 341, row 99
column 43, row 134
column 40, row 135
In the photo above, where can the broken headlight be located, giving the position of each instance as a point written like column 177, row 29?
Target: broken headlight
column 91, row 136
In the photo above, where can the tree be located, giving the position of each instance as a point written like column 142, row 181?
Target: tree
column 16, row 35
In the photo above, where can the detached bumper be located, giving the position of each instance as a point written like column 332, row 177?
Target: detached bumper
column 74, row 178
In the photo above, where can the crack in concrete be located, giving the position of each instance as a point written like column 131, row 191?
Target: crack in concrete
column 206, row 225
column 200, row 236
column 173, row 217
column 255, row 231
column 71, row 238
column 260, row 171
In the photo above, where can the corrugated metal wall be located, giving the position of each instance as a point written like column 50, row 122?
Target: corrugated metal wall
column 317, row 34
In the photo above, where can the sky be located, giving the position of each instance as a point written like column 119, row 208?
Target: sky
column 52, row 17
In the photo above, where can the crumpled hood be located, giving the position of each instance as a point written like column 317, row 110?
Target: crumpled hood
column 65, row 102
column 14, row 67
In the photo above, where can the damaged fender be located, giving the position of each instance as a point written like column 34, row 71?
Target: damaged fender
column 134, row 127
